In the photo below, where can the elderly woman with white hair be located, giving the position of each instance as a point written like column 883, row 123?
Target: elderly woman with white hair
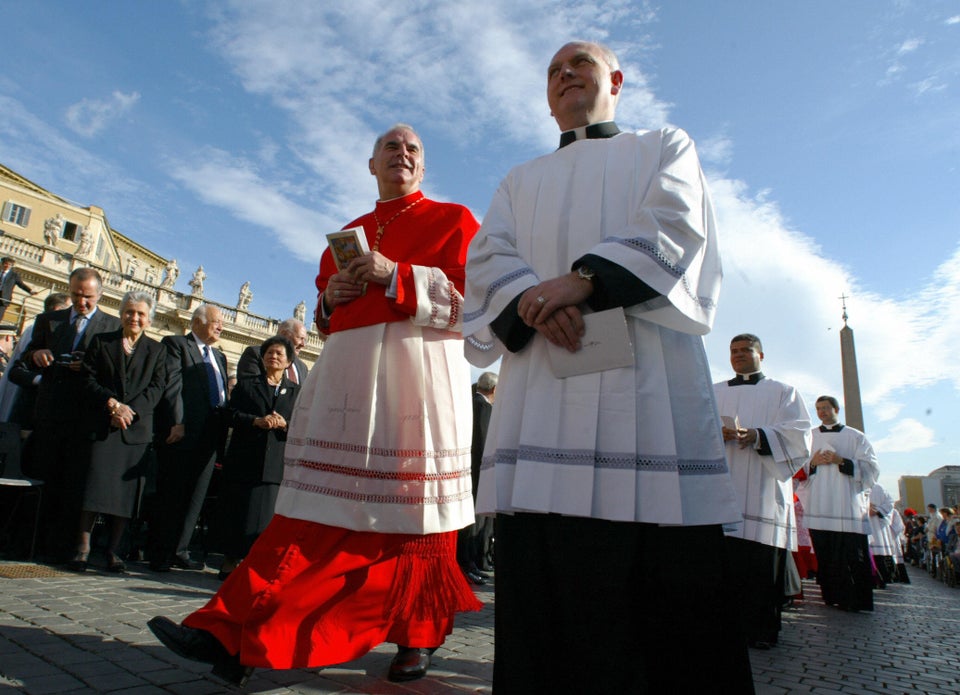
column 125, row 377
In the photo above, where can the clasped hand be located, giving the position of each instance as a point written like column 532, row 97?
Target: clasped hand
column 122, row 417
column 743, row 436
column 825, row 457
column 551, row 309
column 347, row 284
column 273, row 421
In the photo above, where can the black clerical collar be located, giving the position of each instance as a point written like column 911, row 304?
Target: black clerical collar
column 746, row 380
column 831, row 428
column 607, row 129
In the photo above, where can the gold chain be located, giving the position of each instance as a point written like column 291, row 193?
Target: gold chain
column 381, row 227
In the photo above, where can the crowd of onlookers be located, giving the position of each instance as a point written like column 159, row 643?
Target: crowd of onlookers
column 931, row 541
column 109, row 424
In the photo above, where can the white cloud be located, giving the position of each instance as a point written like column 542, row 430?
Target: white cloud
column 34, row 148
column 90, row 116
column 234, row 185
column 473, row 68
column 894, row 70
column 955, row 19
column 930, row 84
column 909, row 46
column 716, row 151
column 472, row 72
column 778, row 284
column 887, row 410
column 907, row 435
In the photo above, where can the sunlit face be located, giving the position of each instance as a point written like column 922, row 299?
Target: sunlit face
column 581, row 88
column 298, row 337
column 5, row 266
column 84, row 295
column 135, row 318
column 827, row 413
column 209, row 332
column 275, row 358
column 398, row 164
column 745, row 358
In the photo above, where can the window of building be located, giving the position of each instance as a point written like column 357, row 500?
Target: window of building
column 17, row 214
column 71, row 231
column 99, row 253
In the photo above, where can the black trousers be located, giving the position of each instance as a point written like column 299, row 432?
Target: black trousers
column 60, row 456
column 183, row 477
column 843, row 569
column 758, row 572
column 593, row 606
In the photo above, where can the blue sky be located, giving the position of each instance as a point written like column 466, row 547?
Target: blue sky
column 235, row 134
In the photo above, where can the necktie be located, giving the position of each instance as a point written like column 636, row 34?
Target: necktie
column 212, row 381
column 79, row 323
column 292, row 374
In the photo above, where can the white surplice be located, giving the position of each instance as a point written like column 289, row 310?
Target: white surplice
column 897, row 528
column 639, row 443
column 764, row 483
column 839, row 502
column 882, row 541
column 381, row 435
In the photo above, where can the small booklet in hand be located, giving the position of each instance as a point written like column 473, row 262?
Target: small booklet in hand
column 346, row 245
column 605, row 345
column 732, row 423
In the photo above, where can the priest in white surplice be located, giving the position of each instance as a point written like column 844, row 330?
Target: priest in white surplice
column 767, row 435
column 881, row 539
column 841, row 473
column 610, row 487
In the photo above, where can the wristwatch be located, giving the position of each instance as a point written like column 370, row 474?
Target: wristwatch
column 586, row 273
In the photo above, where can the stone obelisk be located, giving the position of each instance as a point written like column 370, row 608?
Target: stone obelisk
column 853, row 415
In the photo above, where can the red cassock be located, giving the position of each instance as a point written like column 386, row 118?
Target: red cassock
column 804, row 558
column 313, row 593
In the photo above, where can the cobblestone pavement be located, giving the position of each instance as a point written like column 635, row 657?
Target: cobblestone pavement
column 63, row 633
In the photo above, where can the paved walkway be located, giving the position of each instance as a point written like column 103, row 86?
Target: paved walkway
column 62, row 633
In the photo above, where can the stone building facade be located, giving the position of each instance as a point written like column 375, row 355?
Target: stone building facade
column 49, row 236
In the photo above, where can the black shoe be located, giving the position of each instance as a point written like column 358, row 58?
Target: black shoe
column 115, row 564
column 760, row 644
column 474, row 577
column 409, row 664
column 232, row 671
column 475, row 569
column 185, row 563
column 190, row 643
column 77, row 565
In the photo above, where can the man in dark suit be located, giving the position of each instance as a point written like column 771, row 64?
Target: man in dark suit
column 190, row 432
column 10, row 278
column 294, row 331
column 55, row 353
column 19, row 392
column 473, row 541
